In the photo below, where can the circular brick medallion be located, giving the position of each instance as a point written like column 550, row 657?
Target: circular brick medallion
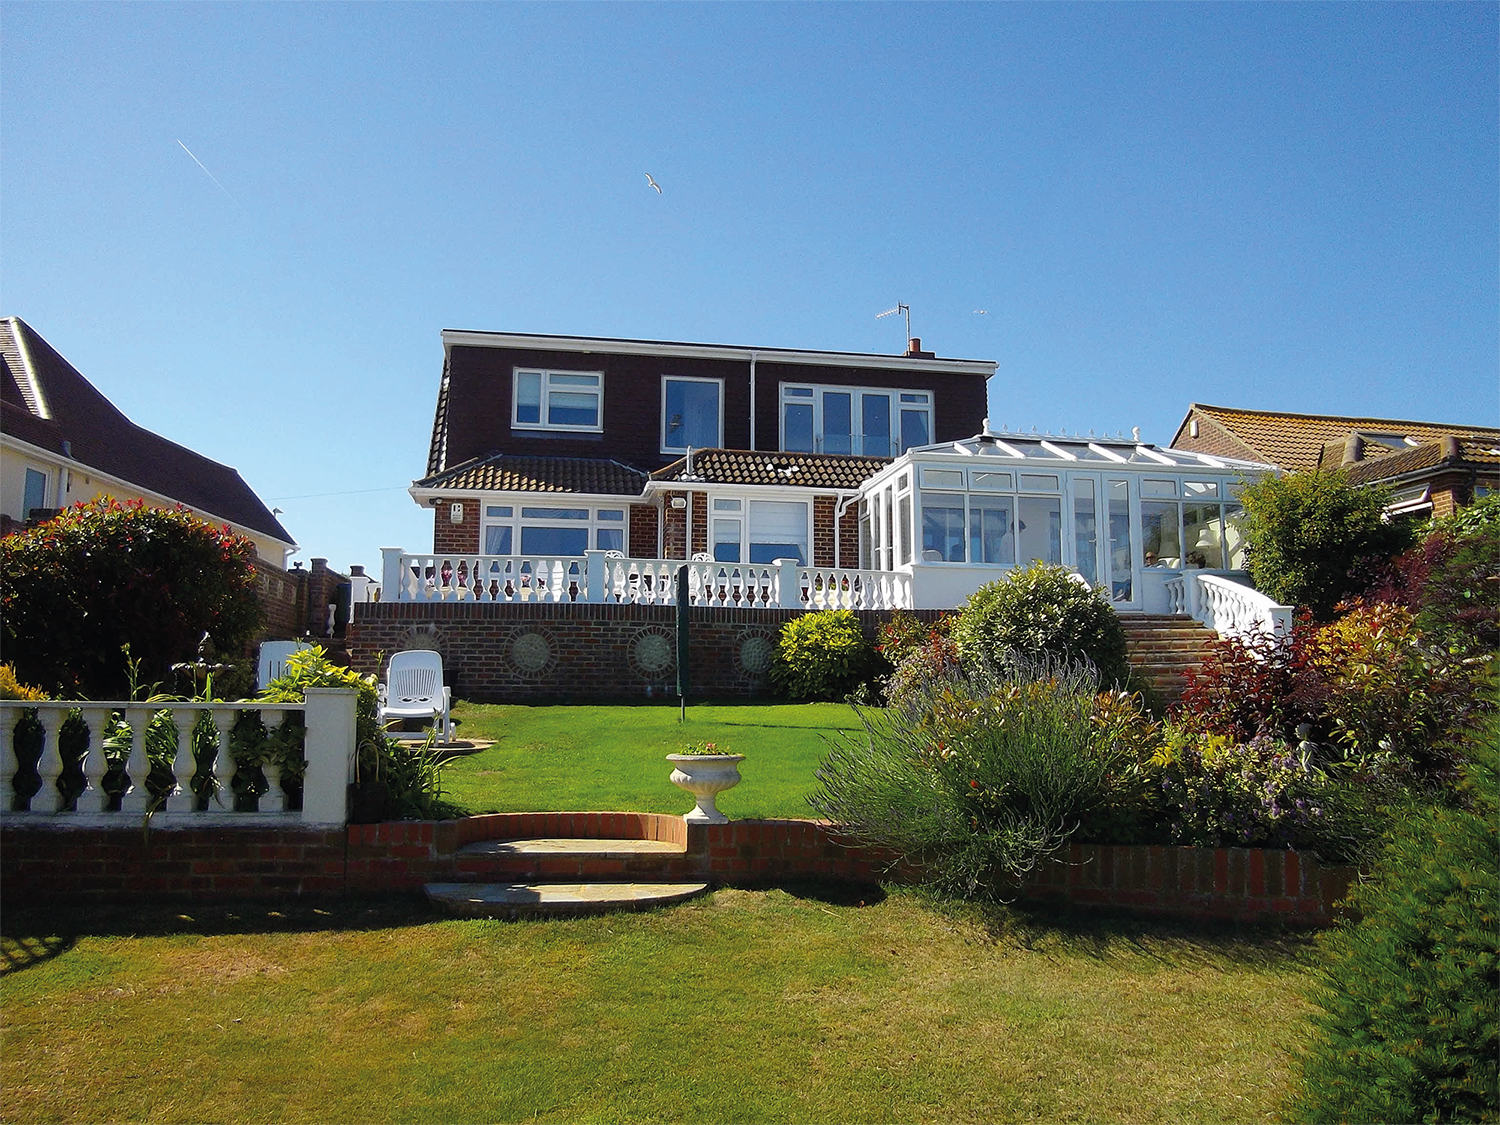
column 532, row 653
column 651, row 653
column 755, row 654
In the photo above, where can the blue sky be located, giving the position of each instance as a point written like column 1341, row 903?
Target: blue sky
column 1288, row 207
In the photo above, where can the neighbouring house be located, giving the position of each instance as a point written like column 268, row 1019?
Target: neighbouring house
column 62, row 442
column 572, row 478
column 1431, row 468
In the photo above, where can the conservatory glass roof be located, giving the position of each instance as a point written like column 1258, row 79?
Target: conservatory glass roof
column 1063, row 449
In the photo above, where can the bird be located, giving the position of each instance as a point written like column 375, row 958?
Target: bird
column 653, row 183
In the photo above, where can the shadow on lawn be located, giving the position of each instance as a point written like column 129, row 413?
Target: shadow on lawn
column 32, row 935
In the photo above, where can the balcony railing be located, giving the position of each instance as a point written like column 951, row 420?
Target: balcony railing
column 1228, row 607
column 120, row 760
column 606, row 578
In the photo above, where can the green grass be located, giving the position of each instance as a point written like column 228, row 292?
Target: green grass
column 612, row 758
column 780, row 1005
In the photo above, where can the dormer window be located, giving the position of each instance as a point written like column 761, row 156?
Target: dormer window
column 558, row 400
column 867, row 421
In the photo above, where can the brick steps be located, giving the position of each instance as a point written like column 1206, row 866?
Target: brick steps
column 1162, row 648
column 565, row 876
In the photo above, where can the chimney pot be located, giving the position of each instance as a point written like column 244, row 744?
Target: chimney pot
column 914, row 349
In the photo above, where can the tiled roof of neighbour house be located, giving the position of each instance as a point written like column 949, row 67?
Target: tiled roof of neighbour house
column 1306, row 442
column 798, row 470
column 1428, row 455
column 437, row 447
column 503, row 472
column 46, row 402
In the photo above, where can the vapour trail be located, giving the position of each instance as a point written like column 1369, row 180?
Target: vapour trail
column 209, row 174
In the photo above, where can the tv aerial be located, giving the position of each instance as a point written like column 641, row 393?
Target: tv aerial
column 899, row 309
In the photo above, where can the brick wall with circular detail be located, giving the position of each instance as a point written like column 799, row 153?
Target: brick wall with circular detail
column 754, row 655
column 533, row 653
column 652, row 655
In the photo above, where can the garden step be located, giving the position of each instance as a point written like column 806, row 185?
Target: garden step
column 571, row 858
column 529, row 900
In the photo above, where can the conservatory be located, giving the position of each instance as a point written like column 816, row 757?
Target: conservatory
column 1129, row 517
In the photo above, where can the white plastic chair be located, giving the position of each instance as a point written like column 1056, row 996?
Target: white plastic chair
column 414, row 689
column 273, row 656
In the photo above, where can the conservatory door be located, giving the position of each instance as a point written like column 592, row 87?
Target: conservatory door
column 1103, row 540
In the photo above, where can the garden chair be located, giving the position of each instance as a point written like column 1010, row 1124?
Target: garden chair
column 272, row 663
column 414, row 689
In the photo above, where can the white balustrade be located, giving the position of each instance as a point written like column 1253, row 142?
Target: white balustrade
column 597, row 578
column 328, row 755
column 1231, row 608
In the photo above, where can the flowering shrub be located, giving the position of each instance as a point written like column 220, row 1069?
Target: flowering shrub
column 936, row 659
column 904, row 633
column 98, row 576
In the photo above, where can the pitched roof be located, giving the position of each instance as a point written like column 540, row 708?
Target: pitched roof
column 503, row 472
column 46, row 402
column 798, row 470
column 1306, row 442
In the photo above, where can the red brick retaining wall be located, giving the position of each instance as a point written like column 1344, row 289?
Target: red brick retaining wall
column 42, row 864
column 587, row 652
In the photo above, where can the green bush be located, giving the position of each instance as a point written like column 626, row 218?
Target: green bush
column 77, row 589
column 823, row 656
column 979, row 775
column 409, row 776
column 1409, row 1026
column 1038, row 612
column 1305, row 533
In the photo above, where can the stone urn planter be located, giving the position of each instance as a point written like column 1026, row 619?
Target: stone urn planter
column 705, row 776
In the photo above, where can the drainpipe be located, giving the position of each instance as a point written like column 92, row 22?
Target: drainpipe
column 838, row 521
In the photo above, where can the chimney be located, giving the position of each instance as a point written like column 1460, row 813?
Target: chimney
column 914, row 349
column 1450, row 448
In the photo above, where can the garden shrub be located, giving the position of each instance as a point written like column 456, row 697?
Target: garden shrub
column 936, row 659
column 823, row 655
column 1381, row 703
column 1042, row 611
column 905, row 632
column 1305, row 533
column 78, row 588
column 977, row 776
column 409, row 776
column 1409, row 996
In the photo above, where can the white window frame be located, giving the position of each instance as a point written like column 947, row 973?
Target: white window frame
column 856, row 413
column 517, row 520
column 718, row 440
column 742, row 516
column 542, row 423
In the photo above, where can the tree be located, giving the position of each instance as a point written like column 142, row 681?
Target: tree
column 98, row 576
column 1306, row 531
column 1408, row 997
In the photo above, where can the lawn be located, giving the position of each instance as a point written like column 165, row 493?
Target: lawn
column 612, row 758
column 781, row 1005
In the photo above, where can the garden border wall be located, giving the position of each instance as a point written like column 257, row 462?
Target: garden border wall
column 43, row 864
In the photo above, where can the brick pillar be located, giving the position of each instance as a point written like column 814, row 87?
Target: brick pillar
column 643, row 543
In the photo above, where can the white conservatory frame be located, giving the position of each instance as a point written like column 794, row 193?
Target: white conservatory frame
column 934, row 509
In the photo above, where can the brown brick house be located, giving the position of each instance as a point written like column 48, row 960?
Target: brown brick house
column 1431, row 468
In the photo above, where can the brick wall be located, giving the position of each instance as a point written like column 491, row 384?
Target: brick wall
column 584, row 652
column 642, row 543
column 456, row 538
column 40, row 863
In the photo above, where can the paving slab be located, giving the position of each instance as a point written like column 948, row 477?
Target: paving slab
column 573, row 846
column 521, row 900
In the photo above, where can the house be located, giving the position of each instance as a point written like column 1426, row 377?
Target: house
column 1431, row 468
column 62, row 442
column 575, row 481
column 557, row 444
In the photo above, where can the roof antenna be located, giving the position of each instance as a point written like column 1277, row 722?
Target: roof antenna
column 899, row 309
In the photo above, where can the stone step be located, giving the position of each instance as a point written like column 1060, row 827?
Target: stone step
column 571, row 858
column 543, row 900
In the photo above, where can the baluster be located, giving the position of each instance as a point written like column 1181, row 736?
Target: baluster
column 137, row 766
column 224, row 763
column 274, row 800
column 95, row 764
column 182, row 799
column 9, row 717
column 49, row 765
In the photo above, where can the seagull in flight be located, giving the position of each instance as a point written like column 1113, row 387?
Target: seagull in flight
column 653, row 183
